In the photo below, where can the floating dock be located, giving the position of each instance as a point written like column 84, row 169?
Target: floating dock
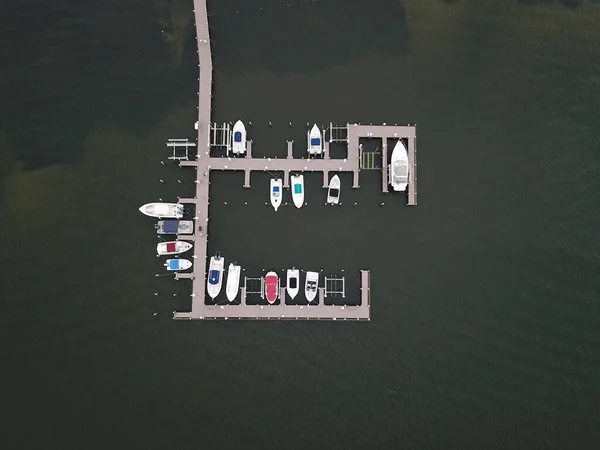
column 204, row 163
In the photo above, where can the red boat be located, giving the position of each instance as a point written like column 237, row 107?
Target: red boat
column 272, row 287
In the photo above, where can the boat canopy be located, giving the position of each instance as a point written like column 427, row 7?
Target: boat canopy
column 298, row 188
column 213, row 277
column 293, row 283
column 174, row 264
column 171, row 247
column 335, row 192
column 275, row 189
column 171, row 226
column 315, row 141
column 237, row 136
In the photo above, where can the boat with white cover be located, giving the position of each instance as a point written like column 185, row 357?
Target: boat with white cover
column 315, row 143
column 173, row 247
column 233, row 281
column 297, row 190
column 271, row 287
column 311, row 285
column 275, row 191
column 239, row 138
column 333, row 193
column 398, row 168
column 215, row 276
column 175, row 227
column 163, row 210
column 178, row 264
column 293, row 282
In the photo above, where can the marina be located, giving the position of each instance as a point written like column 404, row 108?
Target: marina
column 239, row 158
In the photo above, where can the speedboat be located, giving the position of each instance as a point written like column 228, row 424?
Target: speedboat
column 239, row 138
column 333, row 193
column 276, row 186
column 398, row 168
column 293, row 280
column 311, row 285
column 163, row 210
column 173, row 247
column 175, row 227
column 215, row 276
column 315, row 143
column 177, row 264
column 272, row 287
column 233, row 281
column 298, row 190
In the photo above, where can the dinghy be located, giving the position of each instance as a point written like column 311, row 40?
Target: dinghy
column 215, row 276
column 271, row 287
column 163, row 210
column 239, row 138
column 276, row 186
column 311, row 285
column 333, row 193
column 233, row 281
column 298, row 190
column 293, row 280
column 175, row 227
column 398, row 168
column 315, row 143
column 172, row 248
column 177, row 264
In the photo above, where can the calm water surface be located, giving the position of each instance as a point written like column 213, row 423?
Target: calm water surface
column 485, row 320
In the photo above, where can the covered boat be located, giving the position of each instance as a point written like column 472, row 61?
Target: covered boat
column 293, row 282
column 215, row 276
column 173, row 247
column 233, row 281
column 311, row 285
column 275, row 191
column 333, row 193
column 239, row 138
column 177, row 264
column 163, row 210
column 297, row 190
column 271, row 287
column 175, row 227
column 315, row 143
column 398, row 168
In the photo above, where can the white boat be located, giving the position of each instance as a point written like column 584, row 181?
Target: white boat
column 177, row 264
column 233, row 281
column 333, row 193
column 239, row 138
column 163, row 210
column 298, row 190
column 315, row 143
column 398, row 168
column 173, row 247
column 311, row 285
column 215, row 276
column 293, row 282
column 175, row 227
column 276, row 186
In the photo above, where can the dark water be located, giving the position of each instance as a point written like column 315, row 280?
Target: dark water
column 485, row 321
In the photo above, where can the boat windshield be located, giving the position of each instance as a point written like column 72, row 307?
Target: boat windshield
column 293, row 283
column 275, row 191
column 334, row 192
column 297, row 189
column 312, row 286
column 400, row 170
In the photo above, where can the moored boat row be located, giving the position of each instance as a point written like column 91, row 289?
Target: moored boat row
column 297, row 188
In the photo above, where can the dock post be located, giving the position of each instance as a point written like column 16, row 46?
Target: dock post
column 290, row 149
column 384, row 166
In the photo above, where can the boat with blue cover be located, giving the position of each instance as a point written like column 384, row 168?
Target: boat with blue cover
column 215, row 276
column 174, row 265
column 175, row 227
column 315, row 142
column 239, row 138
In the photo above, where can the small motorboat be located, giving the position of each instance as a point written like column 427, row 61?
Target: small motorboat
column 276, row 186
column 215, row 276
column 333, row 193
column 172, row 248
column 271, row 287
column 177, row 264
column 233, row 281
column 311, row 285
column 315, row 143
column 175, row 227
column 398, row 168
column 163, row 210
column 293, row 281
column 239, row 138
column 298, row 190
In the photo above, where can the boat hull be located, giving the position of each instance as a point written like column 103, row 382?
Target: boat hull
column 297, row 182
column 177, row 265
column 398, row 167
column 233, row 282
column 215, row 276
column 172, row 248
column 271, row 287
column 293, row 283
column 333, row 192
column 315, row 141
column 162, row 210
column 239, row 138
column 311, row 285
column 275, row 192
